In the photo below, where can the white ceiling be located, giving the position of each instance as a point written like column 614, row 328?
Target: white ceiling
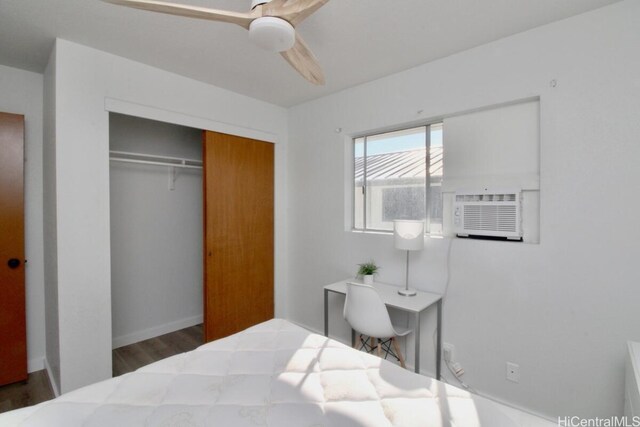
column 355, row 40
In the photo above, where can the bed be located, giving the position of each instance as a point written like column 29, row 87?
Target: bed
column 273, row 374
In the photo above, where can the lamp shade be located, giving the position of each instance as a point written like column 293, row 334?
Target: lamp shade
column 408, row 235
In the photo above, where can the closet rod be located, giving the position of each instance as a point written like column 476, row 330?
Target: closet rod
column 156, row 160
column 148, row 162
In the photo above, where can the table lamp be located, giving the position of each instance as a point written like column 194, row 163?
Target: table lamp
column 408, row 236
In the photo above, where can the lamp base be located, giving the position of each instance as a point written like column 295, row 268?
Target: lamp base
column 407, row 292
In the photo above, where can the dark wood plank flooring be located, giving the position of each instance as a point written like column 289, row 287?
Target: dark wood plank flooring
column 125, row 359
column 131, row 357
column 31, row 392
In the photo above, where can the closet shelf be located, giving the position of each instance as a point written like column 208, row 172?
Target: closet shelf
column 152, row 159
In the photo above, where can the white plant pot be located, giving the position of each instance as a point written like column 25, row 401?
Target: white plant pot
column 368, row 279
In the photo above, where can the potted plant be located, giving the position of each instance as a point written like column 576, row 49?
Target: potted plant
column 367, row 270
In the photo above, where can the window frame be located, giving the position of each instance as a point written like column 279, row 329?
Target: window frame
column 427, row 183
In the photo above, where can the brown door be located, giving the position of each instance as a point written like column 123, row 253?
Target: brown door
column 238, row 222
column 13, row 334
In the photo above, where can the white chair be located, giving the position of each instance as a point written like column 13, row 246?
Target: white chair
column 367, row 315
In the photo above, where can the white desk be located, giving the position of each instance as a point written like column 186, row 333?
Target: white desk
column 413, row 305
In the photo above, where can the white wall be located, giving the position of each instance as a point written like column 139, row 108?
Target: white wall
column 561, row 309
column 156, row 234
column 497, row 147
column 21, row 93
column 88, row 82
column 52, row 360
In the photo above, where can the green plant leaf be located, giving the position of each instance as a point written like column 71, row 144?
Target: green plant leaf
column 367, row 268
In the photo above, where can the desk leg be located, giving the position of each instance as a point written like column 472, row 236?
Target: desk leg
column 439, row 342
column 326, row 313
column 417, row 343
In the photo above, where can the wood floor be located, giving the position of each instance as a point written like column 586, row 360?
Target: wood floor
column 131, row 357
column 125, row 359
column 35, row 390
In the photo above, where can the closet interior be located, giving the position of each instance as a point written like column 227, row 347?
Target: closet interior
column 156, row 228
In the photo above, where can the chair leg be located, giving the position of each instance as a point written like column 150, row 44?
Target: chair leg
column 355, row 344
column 373, row 343
column 379, row 348
column 364, row 345
column 396, row 347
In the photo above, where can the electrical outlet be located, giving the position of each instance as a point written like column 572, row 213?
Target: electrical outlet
column 513, row 372
column 447, row 350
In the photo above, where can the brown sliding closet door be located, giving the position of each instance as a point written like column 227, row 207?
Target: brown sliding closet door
column 13, row 334
column 238, row 228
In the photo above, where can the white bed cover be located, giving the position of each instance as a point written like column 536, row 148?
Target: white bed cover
column 273, row 374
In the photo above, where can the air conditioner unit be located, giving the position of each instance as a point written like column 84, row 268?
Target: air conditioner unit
column 488, row 213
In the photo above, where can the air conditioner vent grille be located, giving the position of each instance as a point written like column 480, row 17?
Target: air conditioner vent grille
column 509, row 197
column 490, row 217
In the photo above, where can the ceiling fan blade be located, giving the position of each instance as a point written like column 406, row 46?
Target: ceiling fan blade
column 304, row 61
column 242, row 19
column 294, row 11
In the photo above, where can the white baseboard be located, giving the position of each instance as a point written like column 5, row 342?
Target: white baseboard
column 52, row 380
column 145, row 334
column 35, row 364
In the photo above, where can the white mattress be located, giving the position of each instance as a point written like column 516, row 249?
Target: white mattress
column 273, row 374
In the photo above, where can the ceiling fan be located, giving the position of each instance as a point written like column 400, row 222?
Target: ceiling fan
column 271, row 25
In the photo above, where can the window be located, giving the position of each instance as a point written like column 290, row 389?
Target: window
column 392, row 181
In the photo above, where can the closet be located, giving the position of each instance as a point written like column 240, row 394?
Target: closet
column 192, row 230
column 156, row 228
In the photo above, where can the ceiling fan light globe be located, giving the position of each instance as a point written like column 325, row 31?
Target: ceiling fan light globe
column 272, row 34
